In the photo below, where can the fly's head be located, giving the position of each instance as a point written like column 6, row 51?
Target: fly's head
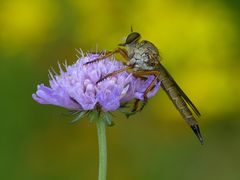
column 143, row 55
column 131, row 40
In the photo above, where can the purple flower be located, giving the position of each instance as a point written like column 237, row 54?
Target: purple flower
column 76, row 87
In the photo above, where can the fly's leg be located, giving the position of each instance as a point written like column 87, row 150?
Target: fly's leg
column 121, row 51
column 141, row 77
column 144, row 102
column 149, row 88
column 134, row 111
column 113, row 73
column 135, row 106
column 137, row 101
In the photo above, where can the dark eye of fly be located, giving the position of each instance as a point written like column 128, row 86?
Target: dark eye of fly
column 134, row 36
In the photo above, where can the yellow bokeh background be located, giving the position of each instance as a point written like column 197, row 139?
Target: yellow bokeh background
column 199, row 43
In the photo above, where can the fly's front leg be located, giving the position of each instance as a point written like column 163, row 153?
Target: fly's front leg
column 121, row 51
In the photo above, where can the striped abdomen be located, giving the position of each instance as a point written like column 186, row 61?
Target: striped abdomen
column 180, row 101
column 177, row 100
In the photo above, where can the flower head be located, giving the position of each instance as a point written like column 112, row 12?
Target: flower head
column 76, row 87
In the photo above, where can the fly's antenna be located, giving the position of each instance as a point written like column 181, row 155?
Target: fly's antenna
column 131, row 29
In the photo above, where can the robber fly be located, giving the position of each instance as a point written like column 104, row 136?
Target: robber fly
column 143, row 59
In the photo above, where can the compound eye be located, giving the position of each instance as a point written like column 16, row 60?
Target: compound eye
column 133, row 37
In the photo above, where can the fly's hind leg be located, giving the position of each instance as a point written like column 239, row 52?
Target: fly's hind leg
column 135, row 106
column 149, row 88
column 145, row 102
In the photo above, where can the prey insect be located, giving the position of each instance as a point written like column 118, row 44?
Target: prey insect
column 143, row 59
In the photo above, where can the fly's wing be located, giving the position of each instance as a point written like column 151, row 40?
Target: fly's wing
column 184, row 96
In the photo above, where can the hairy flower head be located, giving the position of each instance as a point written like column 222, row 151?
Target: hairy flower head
column 76, row 87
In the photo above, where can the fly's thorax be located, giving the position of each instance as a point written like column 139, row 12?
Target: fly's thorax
column 141, row 56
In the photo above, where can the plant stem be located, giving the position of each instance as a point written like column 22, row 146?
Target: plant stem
column 102, row 173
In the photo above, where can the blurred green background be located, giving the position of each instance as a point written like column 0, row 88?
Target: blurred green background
column 199, row 42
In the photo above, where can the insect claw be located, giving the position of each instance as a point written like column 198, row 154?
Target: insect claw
column 197, row 132
column 143, row 105
column 145, row 99
column 133, row 110
column 93, row 61
column 89, row 62
column 86, row 63
column 101, row 79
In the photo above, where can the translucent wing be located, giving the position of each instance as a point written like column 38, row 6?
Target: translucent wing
column 183, row 95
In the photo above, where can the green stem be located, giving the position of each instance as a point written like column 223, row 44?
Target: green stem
column 102, row 173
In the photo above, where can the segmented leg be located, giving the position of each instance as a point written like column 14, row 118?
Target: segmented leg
column 136, row 104
column 146, row 73
column 113, row 73
column 149, row 88
column 121, row 51
column 141, row 74
column 144, row 78
column 144, row 102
